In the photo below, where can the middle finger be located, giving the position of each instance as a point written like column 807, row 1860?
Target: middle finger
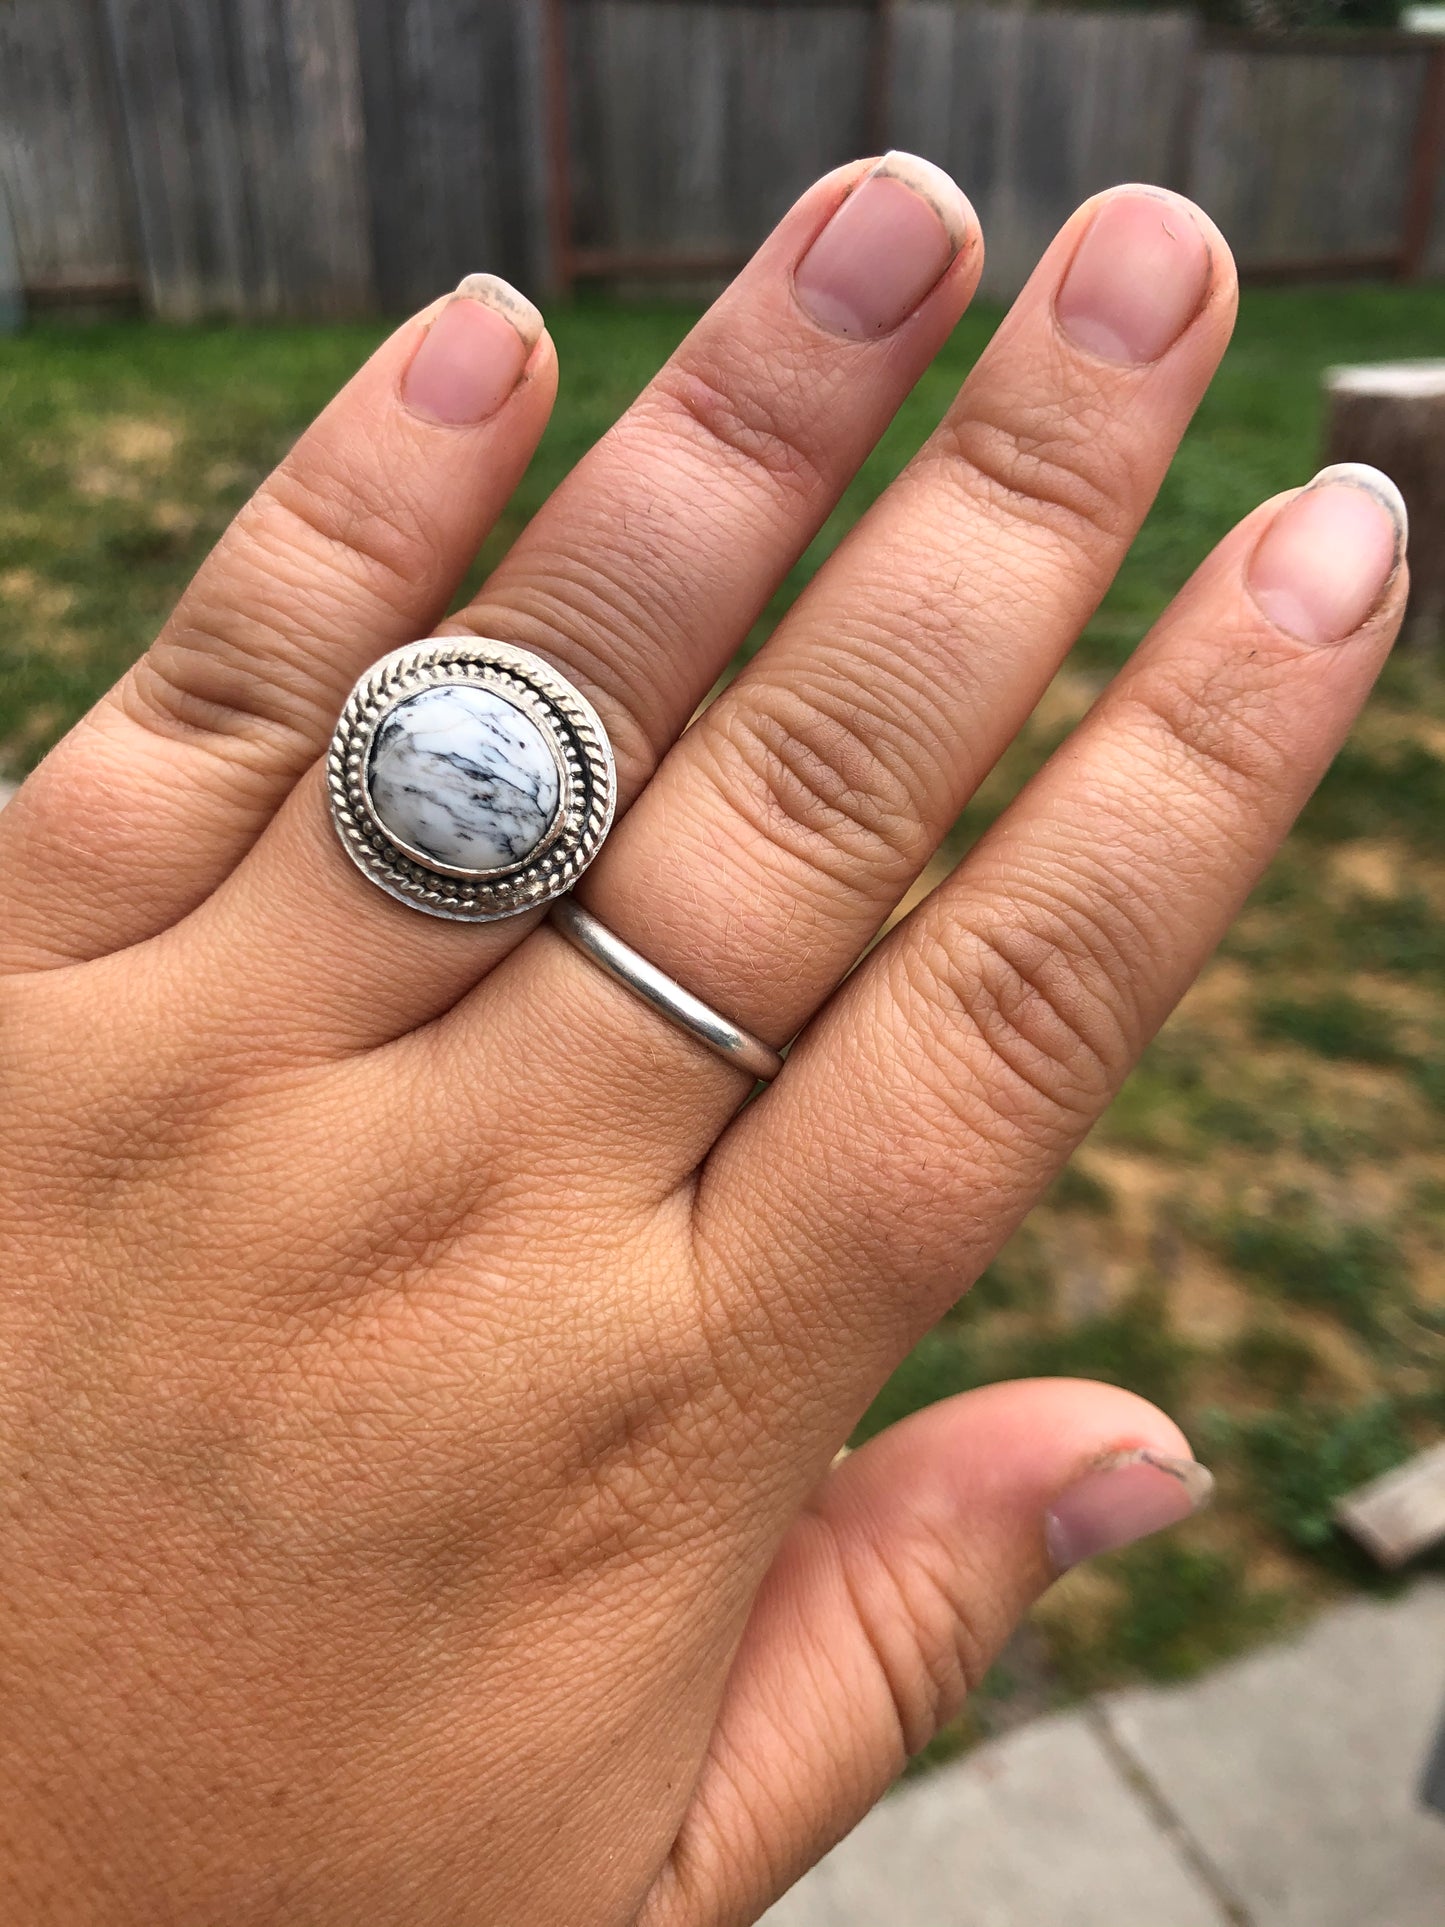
column 792, row 817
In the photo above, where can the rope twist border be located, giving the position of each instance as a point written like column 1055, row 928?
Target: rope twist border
column 565, row 716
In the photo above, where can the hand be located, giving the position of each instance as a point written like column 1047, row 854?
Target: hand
column 419, row 1368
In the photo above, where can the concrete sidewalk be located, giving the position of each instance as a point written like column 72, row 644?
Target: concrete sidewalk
column 1281, row 1791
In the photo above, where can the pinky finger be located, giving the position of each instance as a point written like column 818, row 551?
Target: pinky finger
column 889, row 1599
column 969, row 1055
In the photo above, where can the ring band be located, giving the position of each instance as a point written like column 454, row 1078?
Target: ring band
column 629, row 968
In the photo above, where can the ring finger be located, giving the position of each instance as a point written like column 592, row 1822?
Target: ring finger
column 645, row 571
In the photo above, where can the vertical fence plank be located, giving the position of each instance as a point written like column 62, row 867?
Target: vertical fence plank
column 1304, row 156
column 693, row 127
column 244, row 126
column 12, row 281
column 63, row 168
column 1432, row 260
column 1033, row 112
column 455, row 143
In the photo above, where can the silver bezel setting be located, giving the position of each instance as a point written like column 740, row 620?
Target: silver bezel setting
column 572, row 729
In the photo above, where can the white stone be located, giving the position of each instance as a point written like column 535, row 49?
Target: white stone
column 464, row 778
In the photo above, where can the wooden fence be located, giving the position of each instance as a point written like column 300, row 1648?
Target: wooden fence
column 329, row 157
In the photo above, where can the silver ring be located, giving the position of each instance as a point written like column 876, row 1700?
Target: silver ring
column 469, row 779
column 632, row 970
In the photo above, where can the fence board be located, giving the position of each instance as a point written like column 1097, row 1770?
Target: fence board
column 1033, row 112
column 1304, row 156
column 260, row 157
column 245, row 134
column 455, row 143
column 693, row 128
column 62, row 161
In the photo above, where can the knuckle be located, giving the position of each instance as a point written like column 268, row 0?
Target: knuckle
column 115, row 1153
column 645, row 1469
column 234, row 666
column 797, row 766
column 918, row 1627
column 606, row 626
column 950, row 1657
column 350, row 520
column 1044, row 467
column 211, row 681
column 1044, row 1034
column 1214, row 725
column 744, row 428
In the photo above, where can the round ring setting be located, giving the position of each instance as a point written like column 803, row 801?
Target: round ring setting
column 469, row 779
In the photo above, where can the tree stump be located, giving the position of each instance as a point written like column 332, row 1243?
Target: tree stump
column 1392, row 415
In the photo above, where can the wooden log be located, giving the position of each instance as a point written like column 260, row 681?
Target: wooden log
column 1392, row 413
column 1401, row 1514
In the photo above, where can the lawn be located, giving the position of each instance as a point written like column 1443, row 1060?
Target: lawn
column 1255, row 1235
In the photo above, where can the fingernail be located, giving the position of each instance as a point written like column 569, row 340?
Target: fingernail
column 473, row 354
column 1124, row 1496
column 884, row 249
column 1137, row 279
column 1329, row 555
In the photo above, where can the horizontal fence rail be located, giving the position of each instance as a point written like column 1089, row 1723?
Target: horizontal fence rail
column 333, row 157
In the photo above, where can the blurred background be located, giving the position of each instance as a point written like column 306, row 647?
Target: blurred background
column 209, row 207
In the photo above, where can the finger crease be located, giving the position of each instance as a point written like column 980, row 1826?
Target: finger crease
column 746, row 435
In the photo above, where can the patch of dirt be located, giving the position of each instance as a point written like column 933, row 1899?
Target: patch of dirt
column 175, row 518
column 48, row 600
column 1068, row 697
column 100, row 482
column 1208, row 1306
column 138, row 440
column 1373, row 869
column 221, row 476
column 1220, row 996
column 1135, row 1182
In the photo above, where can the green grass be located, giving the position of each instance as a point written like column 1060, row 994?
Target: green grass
column 1175, row 1608
column 1397, row 789
column 1302, row 1457
column 1292, row 1248
column 114, row 532
column 1335, row 1025
column 1279, row 1361
column 1256, row 1235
